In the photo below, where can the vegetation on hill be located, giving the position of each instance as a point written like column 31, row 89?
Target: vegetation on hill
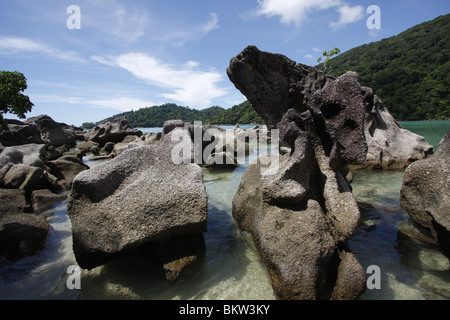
column 156, row 116
column 410, row 72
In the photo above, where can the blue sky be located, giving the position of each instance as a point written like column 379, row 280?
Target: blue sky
column 131, row 54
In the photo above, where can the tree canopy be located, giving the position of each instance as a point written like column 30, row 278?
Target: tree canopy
column 12, row 100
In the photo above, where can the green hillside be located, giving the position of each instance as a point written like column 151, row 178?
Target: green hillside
column 410, row 72
column 156, row 116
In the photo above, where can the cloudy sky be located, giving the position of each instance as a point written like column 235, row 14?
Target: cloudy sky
column 112, row 56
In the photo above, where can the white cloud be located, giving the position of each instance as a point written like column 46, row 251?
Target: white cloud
column 315, row 49
column 180, row 35
column 309, row 56
column 12, row 45
column 120, row 103
column 293, row 11
column 348, row 15
column 184, row 84
column 297, row 11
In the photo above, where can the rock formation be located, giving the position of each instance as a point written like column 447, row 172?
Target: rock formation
column 141, row 198
column 111, row 131
column 425, row 192
column 302, row 212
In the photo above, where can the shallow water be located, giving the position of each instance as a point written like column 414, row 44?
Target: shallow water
column 412, row 265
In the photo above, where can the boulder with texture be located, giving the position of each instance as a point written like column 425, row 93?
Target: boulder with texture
column 301, row 211
column 140, row 197
column 111, row 131
column 52, row 132
column 425, row 192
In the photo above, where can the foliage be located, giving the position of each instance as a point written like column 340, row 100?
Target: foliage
column 156, row 116
column 328, row 55
column 12, row 100
column 410, row 72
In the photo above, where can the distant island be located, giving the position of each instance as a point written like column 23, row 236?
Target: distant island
column 153, row 117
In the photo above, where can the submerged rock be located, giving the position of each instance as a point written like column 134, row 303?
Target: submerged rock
column 138, row 198
column 299, row 207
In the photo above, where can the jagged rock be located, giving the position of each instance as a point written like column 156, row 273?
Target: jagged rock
column 390, row 146
column 141, row 196
column 301, row 211
column 89, row 147
column 52, row 132
column 18, row 133
column 111, row 131
column 22, row 235
column 425, row 192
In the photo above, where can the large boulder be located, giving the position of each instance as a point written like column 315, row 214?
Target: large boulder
column 18, row 133
column 111, row 131
column 425, row 192
column 144, row 196
column 52, row 132
column 28, row 154
column 298, row 207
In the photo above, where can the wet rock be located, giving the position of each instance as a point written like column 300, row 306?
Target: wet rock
column 23, row 177
column 424, row 194
column 22, row 235
column 346, row 287
column 141, row 196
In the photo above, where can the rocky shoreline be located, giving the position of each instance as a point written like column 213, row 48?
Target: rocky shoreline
column 300, row 213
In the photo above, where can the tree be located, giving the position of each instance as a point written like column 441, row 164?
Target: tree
column 12, row 100
column 328, row 55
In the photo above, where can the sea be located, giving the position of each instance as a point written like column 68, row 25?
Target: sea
column 401, row 259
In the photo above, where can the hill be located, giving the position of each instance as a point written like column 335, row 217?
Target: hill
column 156, row 116
column 410, row 72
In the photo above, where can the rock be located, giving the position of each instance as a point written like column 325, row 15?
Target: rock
column 89, row 147
column 23, row 177
column 169, row 125
column 298, row 206
column 424, row 194
column 45, row 199
column 18, row 133
column 22, row 235
column 142, row 196
column 111, row 131
column 52, row 132
column 66, row 168
column 13, row 202
column 346, row 287
column 29, row 155
column 109, row 147
column 390, row 146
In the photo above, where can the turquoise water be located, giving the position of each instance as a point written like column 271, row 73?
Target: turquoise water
column 412, row 266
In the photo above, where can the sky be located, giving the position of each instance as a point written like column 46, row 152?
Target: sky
column 88, row 60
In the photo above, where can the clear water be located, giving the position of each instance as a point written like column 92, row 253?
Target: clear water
column 412, row 266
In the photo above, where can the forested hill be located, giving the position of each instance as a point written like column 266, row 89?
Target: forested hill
column 410, row 72
column 156, row 116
